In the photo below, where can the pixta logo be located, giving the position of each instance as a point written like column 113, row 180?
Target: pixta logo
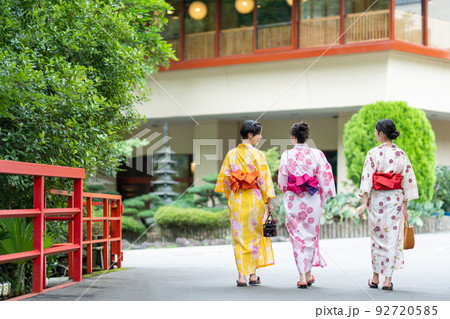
column 145, row 149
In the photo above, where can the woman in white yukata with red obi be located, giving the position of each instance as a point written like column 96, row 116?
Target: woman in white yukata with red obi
column 387, row 184
column 306, row 179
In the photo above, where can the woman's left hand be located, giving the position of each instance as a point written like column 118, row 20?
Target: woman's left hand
column 361, row 210
column 405, row 211
column 270, row 207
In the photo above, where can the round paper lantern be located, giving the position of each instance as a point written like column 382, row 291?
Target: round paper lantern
column 290, row 2
column 197, row 10
column 244, row 6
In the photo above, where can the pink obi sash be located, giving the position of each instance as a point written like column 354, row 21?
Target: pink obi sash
column 303, row 183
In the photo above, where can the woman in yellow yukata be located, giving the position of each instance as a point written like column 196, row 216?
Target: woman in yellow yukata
column 246, row 181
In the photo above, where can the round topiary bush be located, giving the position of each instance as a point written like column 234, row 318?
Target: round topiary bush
column 416, row 139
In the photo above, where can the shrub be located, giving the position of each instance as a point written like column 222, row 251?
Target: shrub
column 132, row 225
column 206, row 192
column 273, row 156
column 416, row 139
column 191, row 218
column 136, row 208
column 442, row 186
column 417, row 211
column 341, row 207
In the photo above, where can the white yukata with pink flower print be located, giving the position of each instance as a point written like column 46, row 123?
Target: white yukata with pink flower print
column 385, row 206
column 303, row 211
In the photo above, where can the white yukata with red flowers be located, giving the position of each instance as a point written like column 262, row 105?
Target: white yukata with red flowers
column 386, row 218
column 303, row 211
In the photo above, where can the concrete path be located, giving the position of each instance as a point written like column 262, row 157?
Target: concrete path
column 209, row 273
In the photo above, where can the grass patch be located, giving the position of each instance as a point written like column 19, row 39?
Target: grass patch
column 101, row 272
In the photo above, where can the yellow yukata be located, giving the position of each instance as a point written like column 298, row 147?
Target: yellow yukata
column 247, row 206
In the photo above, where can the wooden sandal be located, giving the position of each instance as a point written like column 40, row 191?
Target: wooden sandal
column 391, row 287
column 301, row 286
column 255, row 282
column 311, row 281
column 371, row 284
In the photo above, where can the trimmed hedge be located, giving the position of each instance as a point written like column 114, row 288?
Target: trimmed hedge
column 416, row 139
column 191, row 218
column 132, row 225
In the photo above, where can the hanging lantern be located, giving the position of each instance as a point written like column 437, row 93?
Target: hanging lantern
column 244, row 6
column 197, row 10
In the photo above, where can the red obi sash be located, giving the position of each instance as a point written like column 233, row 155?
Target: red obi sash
column 241, row 180
column 303, row 183
column 387, row 181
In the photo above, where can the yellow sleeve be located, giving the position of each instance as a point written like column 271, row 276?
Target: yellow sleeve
column 264, row 181
column 223, row 182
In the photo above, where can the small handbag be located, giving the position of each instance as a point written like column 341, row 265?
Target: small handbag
column 408, row 236
column 270, row 227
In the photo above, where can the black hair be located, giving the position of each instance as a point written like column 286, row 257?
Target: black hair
column 250, row 126
column 388, row 128
column 301, row 131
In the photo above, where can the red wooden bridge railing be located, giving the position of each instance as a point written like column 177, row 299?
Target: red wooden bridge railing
column 111, row 219
column 112, row 227
column 39, row 212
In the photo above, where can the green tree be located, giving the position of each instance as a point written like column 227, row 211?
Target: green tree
column 442, row 186
column 206, row 192
column 71, row 73
column 273, row 157
column 416, row 139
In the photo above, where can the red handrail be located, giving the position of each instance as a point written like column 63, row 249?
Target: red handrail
column 39, row 212
column 112, row 214
column 112, row 227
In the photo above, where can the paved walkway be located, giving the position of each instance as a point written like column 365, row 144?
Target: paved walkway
column 209, row 273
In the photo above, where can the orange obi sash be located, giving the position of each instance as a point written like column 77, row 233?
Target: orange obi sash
column 387, row 181
column 241, row 180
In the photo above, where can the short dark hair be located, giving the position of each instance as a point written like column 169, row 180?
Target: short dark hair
column 301, row 131
column 250, row 126
column 388, row 128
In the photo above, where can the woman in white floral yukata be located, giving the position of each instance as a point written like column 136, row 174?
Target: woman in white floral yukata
column 306, row 179
column 387, row 184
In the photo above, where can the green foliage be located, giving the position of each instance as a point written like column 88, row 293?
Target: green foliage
column 206, row 192
column 417, row 211
column 416, row 139
column 134, row 202
column 185, row 201
column 132, row 225
column 71, row 73
column 341, row 207
column 20, row 239
column 3, row 234
column 442, row 186
column 273, row 157
column 191, row 218
column 136, row 208
column 146, row 214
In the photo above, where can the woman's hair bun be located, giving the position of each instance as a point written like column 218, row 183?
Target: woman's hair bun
column 301, row 131
column 387, row 126
column 394, row 135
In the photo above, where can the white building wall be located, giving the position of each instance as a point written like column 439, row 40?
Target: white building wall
column 333, row 82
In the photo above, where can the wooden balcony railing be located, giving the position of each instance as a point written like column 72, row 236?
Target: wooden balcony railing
column 408, row 27
column 236, row 41
column 373, row 25
column 274, row 36
column 439, row 33
column 318, row 31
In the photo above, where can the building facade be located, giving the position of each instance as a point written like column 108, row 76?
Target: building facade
column 282, row 61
